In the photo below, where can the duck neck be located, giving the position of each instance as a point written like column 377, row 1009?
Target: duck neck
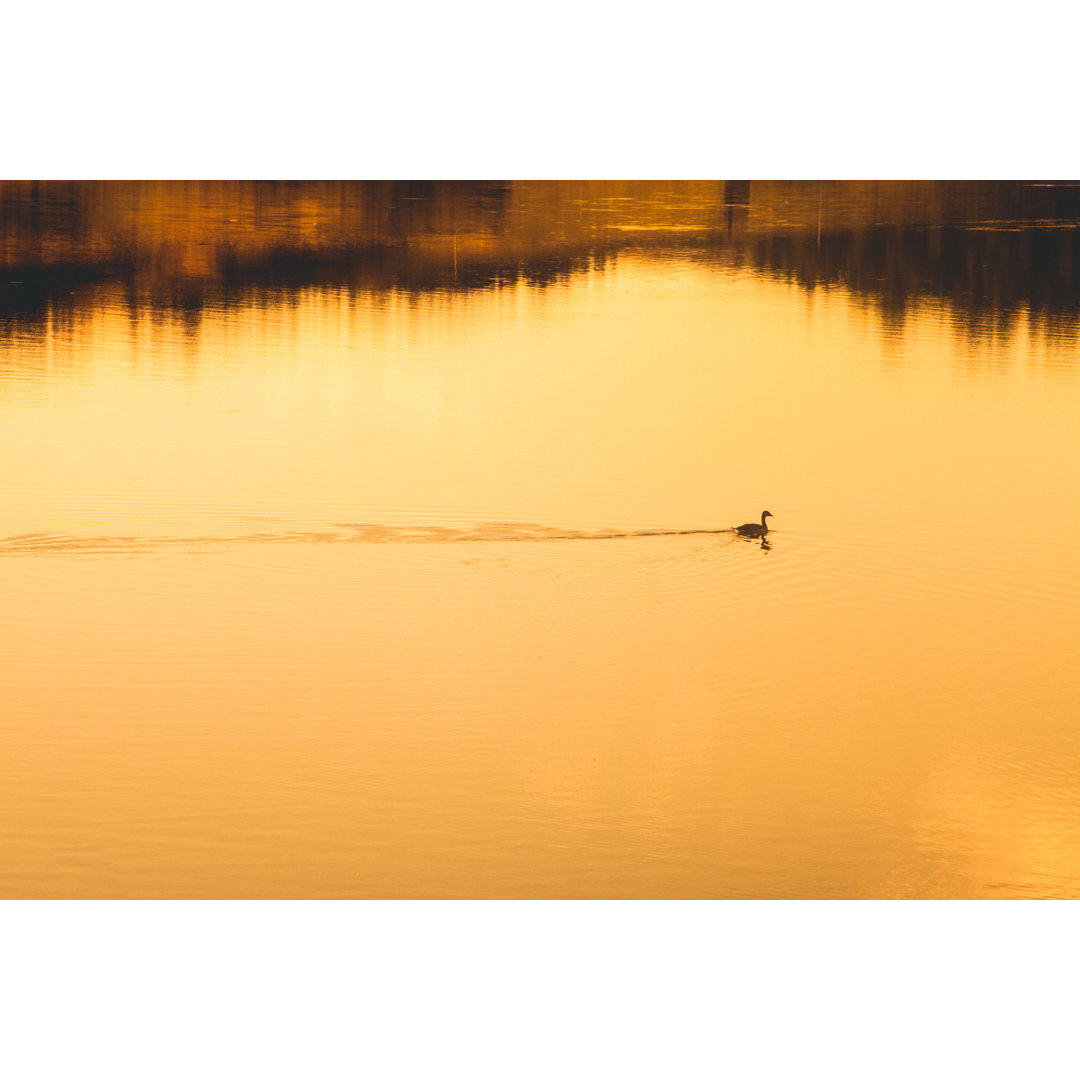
column 764, row 527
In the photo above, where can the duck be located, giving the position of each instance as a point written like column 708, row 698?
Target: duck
column 753, row 529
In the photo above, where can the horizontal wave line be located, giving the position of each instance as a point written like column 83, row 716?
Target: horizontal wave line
column 70, row 544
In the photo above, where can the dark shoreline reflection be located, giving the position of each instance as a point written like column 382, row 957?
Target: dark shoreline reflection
column 990, row 250
column 996, row 272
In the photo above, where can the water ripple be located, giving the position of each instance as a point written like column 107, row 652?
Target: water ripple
column 501, row 532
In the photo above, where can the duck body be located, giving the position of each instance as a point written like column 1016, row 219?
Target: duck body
column 753, row 528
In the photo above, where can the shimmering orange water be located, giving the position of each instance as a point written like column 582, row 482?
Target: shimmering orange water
column 367, row 586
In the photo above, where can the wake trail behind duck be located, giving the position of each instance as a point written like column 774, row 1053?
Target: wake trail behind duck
column 508, row 532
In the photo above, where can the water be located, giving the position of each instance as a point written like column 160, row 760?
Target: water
column 374, row 540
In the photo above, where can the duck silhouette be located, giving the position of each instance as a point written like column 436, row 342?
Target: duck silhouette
column 753, row 529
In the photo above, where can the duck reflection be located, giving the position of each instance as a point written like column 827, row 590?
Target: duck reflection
column 762, row 541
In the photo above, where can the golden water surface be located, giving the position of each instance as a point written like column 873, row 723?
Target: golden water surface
column 373, row 540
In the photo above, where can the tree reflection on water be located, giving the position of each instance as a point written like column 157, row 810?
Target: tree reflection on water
column 991, row 250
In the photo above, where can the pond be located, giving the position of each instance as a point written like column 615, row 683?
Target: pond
column 373, row 540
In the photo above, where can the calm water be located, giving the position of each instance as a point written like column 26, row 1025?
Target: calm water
column 373, row 540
